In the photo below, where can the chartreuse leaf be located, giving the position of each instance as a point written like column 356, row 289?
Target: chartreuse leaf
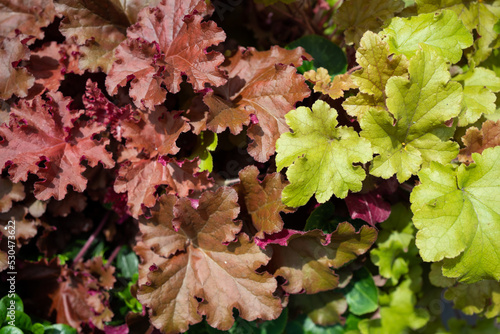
column 478, row 298
column 479, row 84
column 320, row 156
column 206, row 143
column 396, row 248
column 457, row 212
column 478, row 15
column 361, row 293
column 415, row 133
column 444, row 32
column 399, row 315
column 373, row 56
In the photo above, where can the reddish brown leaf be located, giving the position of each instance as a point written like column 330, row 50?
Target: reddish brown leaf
column 10, row 192
column 140, row 178
column 262, row 200
column 263, row 84
column 100, row 276
column 25, row 16
column 44, row 131
column 25, row 229
column 202, row 270
column 476, row 141
column 13, row 79
column 305, row 259
column 370, row 207
column 167, row 42
column 73, row 201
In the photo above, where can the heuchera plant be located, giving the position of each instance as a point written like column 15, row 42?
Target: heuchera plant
column 258, row 167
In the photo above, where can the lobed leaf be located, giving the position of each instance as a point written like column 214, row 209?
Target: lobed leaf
column 14, row 80
column 476, row 141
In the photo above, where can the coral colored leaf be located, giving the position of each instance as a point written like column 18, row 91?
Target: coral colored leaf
column 480, row 84
column 13, row 79
column 10, row 192
column 305, row 259
column 262, row 200
column 155, row 132
column 320, row 156
column 141, row 177
column 476, row 141
column 378, row 66
column 25, row 228
column 443, row 32
column 323, row 82
column 98, row 27
column 416, row 132
column 26, row 16
column 356, row 17
column 458, row 217
column 44, row 131
column 201, row 268
column 370, row 207
column 167, row 42
column 263, row 84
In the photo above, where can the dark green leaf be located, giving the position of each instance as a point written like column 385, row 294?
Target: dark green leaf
column 361, row 293
column 18, row 303
column 322, row 218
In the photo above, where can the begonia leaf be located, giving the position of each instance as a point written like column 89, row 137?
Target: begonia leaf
column 457, row 214
column 443, row 32
column 414, row 131
column 13, row 79
column 167, row 42
column 43, row 131
column 378, row 66
column 263, row 84
column 320, row 155
column 306, row 259
column 476, row 141
column 355, row 17
column 262, row 200
column 199, row 256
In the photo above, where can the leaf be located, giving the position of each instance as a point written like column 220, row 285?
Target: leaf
column 305, row 259
column 324, row 84
column 262, row 200
column 369, row 207
column 127, row 263
column 436, row 276
column 141, row 177
column 263, row 84
column 320, row 156
column 25, row 228
column 98, row 27
column 325, row 54
column 479, row 86
column 322, row 218
column 456, row 212
column 478, row 298
column 442, row 32
column 361, row 293
column 476, row 15
column 45, row 131
column 324, row 308
column 420, row 106
column 197, row 260
column 378, row 66
column 14, row 80
column 476, row 141
column 356, row 17
column 206, row 142
column 10, row 192
column 167, row 42
column 25, row 16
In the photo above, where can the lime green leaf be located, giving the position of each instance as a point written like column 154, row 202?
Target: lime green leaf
column 443, row 32
column 476, row 15
column 356, row 17
column 458, row 214
column 206, row 143
column 320, row 156
column 373, row 56
column 326, row 54
column 436, row 276
column 479, row 85
column 477, row 298
column 361, row 293
column 38, row 328
column 420, row 105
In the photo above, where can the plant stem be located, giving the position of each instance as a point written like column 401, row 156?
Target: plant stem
column 113, row 255
column 85, row 247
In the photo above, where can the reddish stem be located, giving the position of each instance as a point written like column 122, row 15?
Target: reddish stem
column 113, row 255
column 85, row 247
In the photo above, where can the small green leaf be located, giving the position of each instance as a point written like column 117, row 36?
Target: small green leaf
column 16, row 301
column 38, row 328
column 323, row 308
column 205, row 143
column 361, row 293
column 443, row 32
column 322, row 218
column 59, row 329
column 326, row 54
column 127, row 262
column 22, row 321
column 304, row 325
column 10, row 330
